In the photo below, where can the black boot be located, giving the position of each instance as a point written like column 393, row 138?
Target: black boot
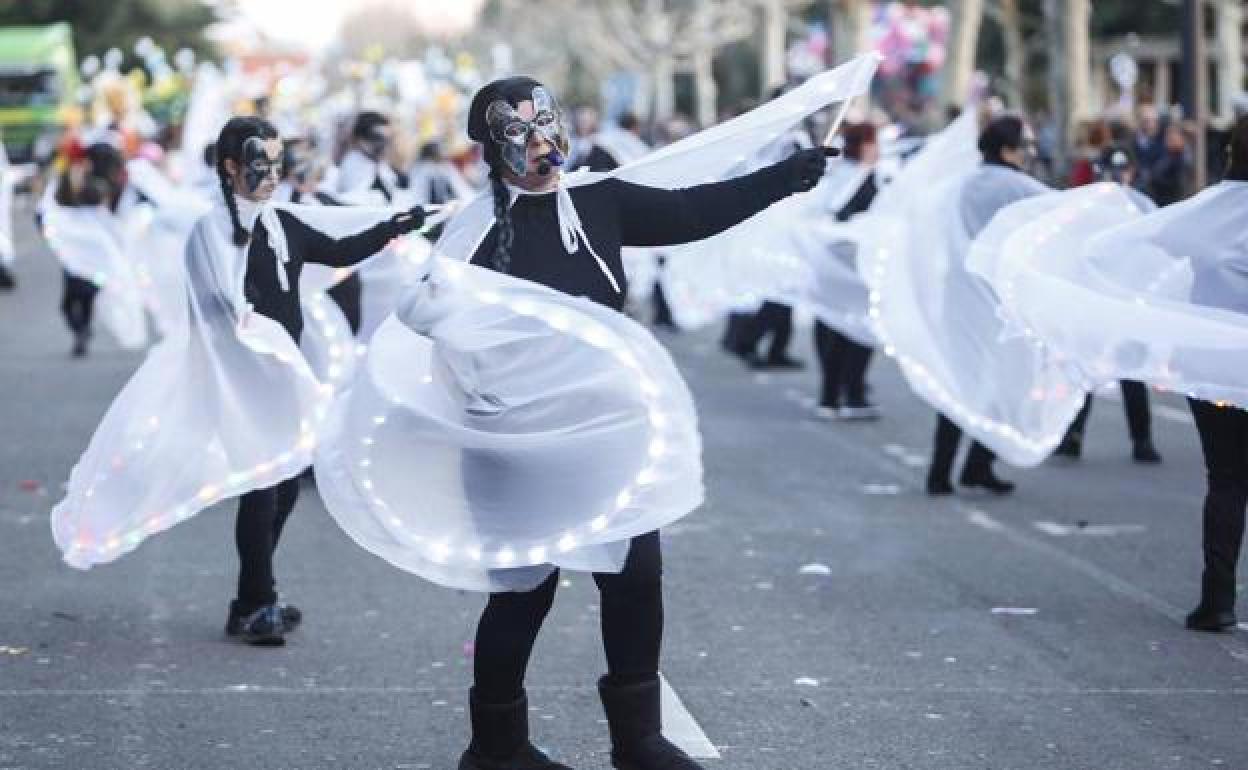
column 262, row 626
column 1071, row 446
column 1145, row 453
column 637, row 742
column 500, row 738
column 988, row 481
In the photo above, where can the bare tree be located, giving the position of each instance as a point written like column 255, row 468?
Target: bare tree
column 966, row 18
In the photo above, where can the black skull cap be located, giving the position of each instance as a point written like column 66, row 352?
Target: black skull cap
column 513, row 90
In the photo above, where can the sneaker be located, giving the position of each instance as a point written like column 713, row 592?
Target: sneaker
column 823, row 412
column 859, row 412
column 263, row 627
column 291, row 616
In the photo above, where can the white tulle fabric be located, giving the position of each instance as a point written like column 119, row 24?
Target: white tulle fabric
column 794, row 252
column 942, row 323
column 1122, row 293
column 502, row 428
column 499, row 429
column 8, row 181
column 226, row 403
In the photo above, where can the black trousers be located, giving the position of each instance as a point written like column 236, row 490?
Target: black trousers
column 948, row 435
column 1224, row 440
column 844, row 364
column 1134, row 403
column 347, row 295
column 262, row 514
column 78, row 302
column 632, row 625
column 772, row 319
column 737, row 333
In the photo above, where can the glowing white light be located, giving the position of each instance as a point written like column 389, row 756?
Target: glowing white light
column 566, row 543
column 537, row 555
column 505, row 556
column 598, row 524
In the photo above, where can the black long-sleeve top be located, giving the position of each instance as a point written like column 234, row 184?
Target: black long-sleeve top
column 616, row 214
column 304, row 244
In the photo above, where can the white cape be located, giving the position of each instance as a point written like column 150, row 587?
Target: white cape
column 1121, row 293
column 499, row 429
column 942, row 323
column 223, row 405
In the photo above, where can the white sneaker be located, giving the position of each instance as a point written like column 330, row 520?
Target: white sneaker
column 866, row 412
column 826, row 413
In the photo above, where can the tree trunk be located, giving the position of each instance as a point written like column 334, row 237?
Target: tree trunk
column 775, row 25
column 850, row 21
column 1015, row 52
column 967, row 15
column 1059, row 81
column 1078, row 61
column 1230, row 26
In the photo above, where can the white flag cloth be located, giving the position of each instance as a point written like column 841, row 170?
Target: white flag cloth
column 499, row 429
column 224, row 404
column 942, row 323
column 1122, row 293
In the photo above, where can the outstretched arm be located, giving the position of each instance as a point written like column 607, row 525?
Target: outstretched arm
column 315, row 246
column 650, row 216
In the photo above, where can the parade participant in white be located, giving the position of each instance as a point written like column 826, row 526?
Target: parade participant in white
column 500, row 430
column 225, row 405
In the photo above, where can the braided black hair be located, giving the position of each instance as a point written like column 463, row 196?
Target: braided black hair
column 501, row 259
column 230, row 145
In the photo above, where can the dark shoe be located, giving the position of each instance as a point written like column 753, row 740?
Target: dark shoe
column 80, row 345
column 777, row 362
column 291, row 616
column 262, row 627
column 1205, row 619
column 500, row 739
column 1071, row 446
column 6, row 279
column 939, row 487
column 988, row 482
column 1145, row 453
column 637, row 742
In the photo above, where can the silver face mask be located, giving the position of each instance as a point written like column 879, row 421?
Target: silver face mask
column 512, row 133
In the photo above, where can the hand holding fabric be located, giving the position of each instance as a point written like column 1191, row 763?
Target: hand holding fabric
column 407, row 221
column 803, row 169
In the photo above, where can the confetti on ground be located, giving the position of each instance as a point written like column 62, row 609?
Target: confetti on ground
column 470, row 649
column 806, row 681
column 816, row 569
column 881, row 489
column 29, row 485
column 1014, row 610
column 7, row 650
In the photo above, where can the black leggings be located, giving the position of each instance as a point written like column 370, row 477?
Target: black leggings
column 1224, row 440
column 261, row 515
column 78, row 302
column 632, row 625
column 979, row 458
column 775, row 319
column 844, row 364
column 1134, row 403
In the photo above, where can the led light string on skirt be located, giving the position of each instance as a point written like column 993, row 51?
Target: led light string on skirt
column 587, row 331
column 88, row 548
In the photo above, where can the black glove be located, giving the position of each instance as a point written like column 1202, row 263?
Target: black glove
column 803, row 169
column 412, row 219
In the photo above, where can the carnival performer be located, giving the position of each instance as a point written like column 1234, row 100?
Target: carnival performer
column 543, row 428
column 226, row 406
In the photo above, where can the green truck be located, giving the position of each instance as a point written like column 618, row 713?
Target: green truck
column 38, row 88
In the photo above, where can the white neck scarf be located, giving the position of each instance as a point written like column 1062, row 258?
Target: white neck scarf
column 571, row 230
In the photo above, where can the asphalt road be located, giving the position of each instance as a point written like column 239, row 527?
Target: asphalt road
column 1039, row 631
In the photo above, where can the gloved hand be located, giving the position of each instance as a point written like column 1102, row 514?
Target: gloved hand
column 804, row 168
column 407, row 221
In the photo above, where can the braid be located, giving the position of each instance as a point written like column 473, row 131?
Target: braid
column 241, row 236
column 502, row 215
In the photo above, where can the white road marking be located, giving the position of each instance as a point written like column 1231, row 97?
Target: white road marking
column 1091, row 530
column 681, row 728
